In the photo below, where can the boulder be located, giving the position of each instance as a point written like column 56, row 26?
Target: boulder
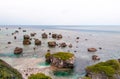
column 92, row 49
column 63, row 44
column 37, row 42
column 61, row 59
column 52, row 44
column 54, row 36
column 32, row 34
column 26, row 37
column 9, row 42
column 18, row 50
column 26, row 42
column 70, row 45
column 95, row 57
column 44, row 35
column 59, row 36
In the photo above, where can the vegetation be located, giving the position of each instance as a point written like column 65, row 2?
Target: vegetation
column 38, row 76
column 86, row 78
column 47, row 55
column 109, row 67
column 63, row 55
column 7, row 72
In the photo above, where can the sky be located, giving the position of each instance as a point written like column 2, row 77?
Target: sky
column 59, row 12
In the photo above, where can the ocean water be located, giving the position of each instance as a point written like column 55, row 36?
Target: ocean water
column 106, row 37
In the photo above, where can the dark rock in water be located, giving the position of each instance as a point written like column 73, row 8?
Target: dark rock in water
column 95, row 57
column 63, row 44
column 32, row 34
column 59, row 36
column 26, row 42
column 61, row 59
column 9, row 42
column 26, row 37
column 19, row 28
column 15, row 37
column 16, row 31
column 44, row 35
column 70, row 46
column 49, row 33
column 92, row 49
column 7, row 72
column 18, row 50
column 37, row 42
column 54, row 36
column 77, row 37
column 24, row 30
column 104, row 70
column 100, row 48
column 52, row 44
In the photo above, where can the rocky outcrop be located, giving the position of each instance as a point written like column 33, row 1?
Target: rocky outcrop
column 26, row 40
column 7, row 72
column 51, row 43
column 44, row 35
column 63, row 44
column 18, row 50
column 61, row 59
column 37, row 42
column 104, row 70
column 92, row 49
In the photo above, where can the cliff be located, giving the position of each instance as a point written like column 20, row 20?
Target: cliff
column 7, row 72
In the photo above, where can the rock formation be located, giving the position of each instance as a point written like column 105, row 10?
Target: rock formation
column 104, row 70
column 92, row 49
column 61, row 59
column 37, row 42
column 51, row 43
column 18, row 50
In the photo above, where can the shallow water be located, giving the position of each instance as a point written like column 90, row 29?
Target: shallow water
column 110, row 43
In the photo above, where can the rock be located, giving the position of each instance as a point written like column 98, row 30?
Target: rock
column 37, row 42
column 26, row 42
column 100, row 48
column 59, row 36
column 77, row 37
column 18, row 50
column 16, row 31
column 92, row 49
column 61, row 59
column 26, row 37
column 15, row 37
column 44, row 35
column 63, row 44
column 24, row 30
column 9, row 42
column 104, row 70
column 54, row 36
column 70, row 46
column 95, row 57
column 32, row 34
column 52, row 44
column 19, row 28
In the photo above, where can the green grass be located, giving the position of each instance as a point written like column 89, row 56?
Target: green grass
column 39, row 76
column 63, row 55
column 109, row 67
column 7, row 72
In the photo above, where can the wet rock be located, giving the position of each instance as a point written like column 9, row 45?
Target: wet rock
column 26, row 42
column 63, row 44
column 77, row 37
column 37, row 42
column 9, row 42
column 92, row 49
column 18, row 50
column 70, row 45
column 59, row 36
column 24, row 30
column 95, row 57
column 54, row 36
column 26, row 37
column 100, row 48
column 19, row 28
column 44, row 35
column 32, row 34
column 52, row 44
column 15, row 37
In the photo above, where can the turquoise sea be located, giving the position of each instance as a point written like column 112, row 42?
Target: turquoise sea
column 105, row 36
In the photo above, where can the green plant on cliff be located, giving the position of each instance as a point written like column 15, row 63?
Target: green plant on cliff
column 7, row 72
column 48, row 55
column 39, row 76
column 63, row 55
column 109, row 68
